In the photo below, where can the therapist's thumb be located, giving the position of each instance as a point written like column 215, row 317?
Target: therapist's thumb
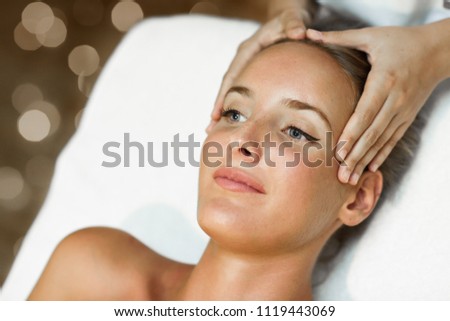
column 293, row 25
column 354, row 38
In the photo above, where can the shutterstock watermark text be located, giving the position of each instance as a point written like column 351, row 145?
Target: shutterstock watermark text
column 214, row 154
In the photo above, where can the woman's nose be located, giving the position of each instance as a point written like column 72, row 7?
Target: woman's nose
column 243, row 153
column 250, row 150
column 247, row 142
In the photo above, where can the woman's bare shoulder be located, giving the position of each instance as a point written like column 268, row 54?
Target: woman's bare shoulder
column 107, row 264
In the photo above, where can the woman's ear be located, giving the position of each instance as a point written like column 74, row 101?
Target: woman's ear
column 362, row 198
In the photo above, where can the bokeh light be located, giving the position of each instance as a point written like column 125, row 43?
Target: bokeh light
column 88, row 12
column 55, row 35
column 11, row 183
column 25, row 39
column 204, row 7
column 25, row 94
column 34, row 125
column 60, row 14
column 19, row 202
column 125, row 14
column 37, row 17
column 38, row 170
column 50, row 111
column 84, row 60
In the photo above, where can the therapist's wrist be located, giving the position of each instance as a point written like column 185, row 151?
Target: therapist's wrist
column 438, row 34
column 308, row 8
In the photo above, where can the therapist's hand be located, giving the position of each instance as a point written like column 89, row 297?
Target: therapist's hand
column 406, row 67
column 288, row 22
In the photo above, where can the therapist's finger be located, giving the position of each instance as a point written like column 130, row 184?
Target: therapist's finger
column 373, row 98
column 369, row 139
column 388, row 147
column 354, row 38
column 373, row 151
column 293, row 25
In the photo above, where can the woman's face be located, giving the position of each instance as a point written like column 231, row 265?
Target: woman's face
column 267, row 179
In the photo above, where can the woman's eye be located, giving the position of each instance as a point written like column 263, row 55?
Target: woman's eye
column 298, row 134
column 233, row 116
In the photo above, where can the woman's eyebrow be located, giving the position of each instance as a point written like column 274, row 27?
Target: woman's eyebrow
column 244, row 91
column 290, row 103
column 299, row 105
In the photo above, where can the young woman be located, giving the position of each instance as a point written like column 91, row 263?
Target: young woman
column 268, row 213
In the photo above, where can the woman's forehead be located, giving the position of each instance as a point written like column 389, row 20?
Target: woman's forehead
column 298, row 71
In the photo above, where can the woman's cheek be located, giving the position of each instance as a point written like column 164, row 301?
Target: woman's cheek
column 291, row 155
column 306, row 172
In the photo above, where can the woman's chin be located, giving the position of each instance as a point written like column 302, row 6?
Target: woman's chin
column 223, row 211
column 226, row 220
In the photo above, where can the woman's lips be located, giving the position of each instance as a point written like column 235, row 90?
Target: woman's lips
column 237, row 180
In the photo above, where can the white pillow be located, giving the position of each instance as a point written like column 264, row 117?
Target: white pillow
column 162, row 80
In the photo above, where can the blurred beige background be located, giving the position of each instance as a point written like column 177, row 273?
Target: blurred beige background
column 50, row 56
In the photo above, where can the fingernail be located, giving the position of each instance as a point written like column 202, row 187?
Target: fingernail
column 313, row 33
column 373, row 167
column 354, row 179
column 344, row 174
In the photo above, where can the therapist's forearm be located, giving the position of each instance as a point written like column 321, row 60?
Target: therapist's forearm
column 276, row 7
column 439, row 34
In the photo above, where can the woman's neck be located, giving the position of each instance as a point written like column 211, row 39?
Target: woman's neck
column 221, row 275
